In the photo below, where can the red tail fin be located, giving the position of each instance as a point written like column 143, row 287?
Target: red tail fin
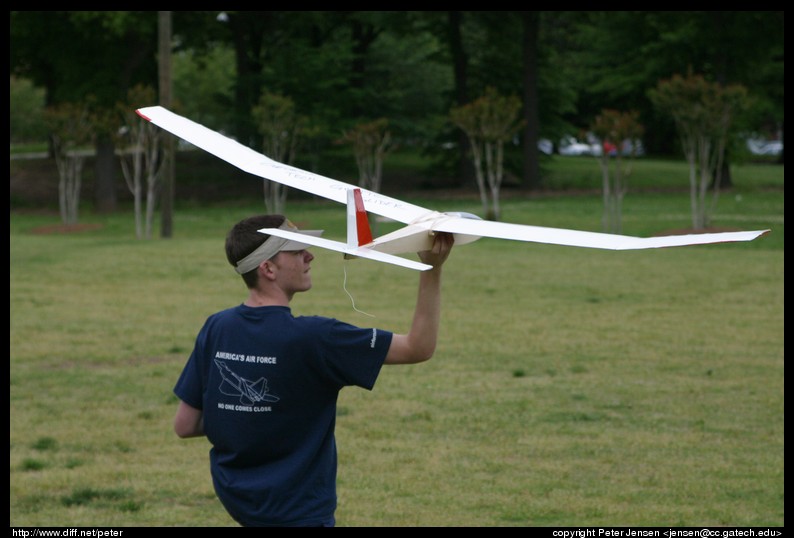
column 362, row 221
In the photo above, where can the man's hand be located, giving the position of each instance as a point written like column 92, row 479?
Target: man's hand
column 438, row 254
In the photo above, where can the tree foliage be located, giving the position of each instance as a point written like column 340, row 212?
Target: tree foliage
column 342, row 68
column 619, row 55
column 619, row 134
column 371, row 142
column 72, row 54
column 71, row 129
column 282, row 130
column 25, row 117
column 140, row 153
column 489, row 122
column 76, row 54
column 703, row 112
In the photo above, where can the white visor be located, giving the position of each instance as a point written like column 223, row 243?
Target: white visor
column 272, row 246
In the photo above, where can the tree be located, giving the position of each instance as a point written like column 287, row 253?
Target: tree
column 460, row 67
column 702, row 112
column 74, row 54
column 614, row 130
column 204, row 85
column 26, row 119
column 615, row 56
column 371, row 142
column 530, row 25
column 282, row 129
column 140, row 153
column 254, row 34
column 71, row 129
column 489, row 122
column 412, row 67
column 165, row 85
column 515, row 52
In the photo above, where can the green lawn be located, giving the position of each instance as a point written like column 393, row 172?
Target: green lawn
column 571, row 387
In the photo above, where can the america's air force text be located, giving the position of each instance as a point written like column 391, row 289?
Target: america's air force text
column 667, row 533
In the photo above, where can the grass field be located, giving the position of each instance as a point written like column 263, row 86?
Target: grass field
column 571, row 387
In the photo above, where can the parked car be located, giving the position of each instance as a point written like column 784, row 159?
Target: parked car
column 546, row 146
column 571, row 146
column 758, row 146
column 628, row 146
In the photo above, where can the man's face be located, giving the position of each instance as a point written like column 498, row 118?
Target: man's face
column 293, row 267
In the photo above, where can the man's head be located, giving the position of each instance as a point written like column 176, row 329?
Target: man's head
column 247, row 248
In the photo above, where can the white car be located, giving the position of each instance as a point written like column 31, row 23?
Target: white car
column 546, row 146
column 758, row 146
column 570, row 146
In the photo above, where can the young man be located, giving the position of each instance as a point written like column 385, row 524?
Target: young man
column 262, row 385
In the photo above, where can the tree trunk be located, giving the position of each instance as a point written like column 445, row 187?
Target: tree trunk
column 248, row 30
column 105, row 173
column 479, row 176
column 164, row 67
column 460, row 61
column 363, row 37
column 531, row 24
column 70, row 190
column 606, row 219
column 726, row 182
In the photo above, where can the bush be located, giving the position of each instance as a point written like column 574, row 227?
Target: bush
column 26, row 113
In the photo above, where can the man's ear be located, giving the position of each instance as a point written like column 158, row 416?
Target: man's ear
column 267, row 269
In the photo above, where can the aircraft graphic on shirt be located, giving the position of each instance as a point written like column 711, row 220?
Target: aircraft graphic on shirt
column 250, row 392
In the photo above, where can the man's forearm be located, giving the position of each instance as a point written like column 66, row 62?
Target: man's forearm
column 427, row 315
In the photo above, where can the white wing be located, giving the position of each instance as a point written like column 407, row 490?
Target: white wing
column 575, row 238
column 348, row 251
column 421, row 222
column 257, row 164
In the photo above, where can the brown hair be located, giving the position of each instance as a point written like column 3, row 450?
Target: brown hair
column 244, row 238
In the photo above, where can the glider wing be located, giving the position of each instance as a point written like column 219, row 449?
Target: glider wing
column 421, row 223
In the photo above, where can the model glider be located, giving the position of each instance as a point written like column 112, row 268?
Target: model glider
column 421, row 223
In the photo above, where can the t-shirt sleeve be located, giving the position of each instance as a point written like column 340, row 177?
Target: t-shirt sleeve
column 192, row 381
column 354, row 355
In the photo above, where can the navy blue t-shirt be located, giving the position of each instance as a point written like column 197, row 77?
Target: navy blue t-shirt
column 268, row 383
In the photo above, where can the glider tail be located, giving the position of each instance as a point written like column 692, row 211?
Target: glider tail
column 358, row 230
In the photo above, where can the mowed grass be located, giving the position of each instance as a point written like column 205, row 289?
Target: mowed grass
column 571, row 387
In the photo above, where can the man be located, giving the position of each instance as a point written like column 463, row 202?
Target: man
column 262, row 385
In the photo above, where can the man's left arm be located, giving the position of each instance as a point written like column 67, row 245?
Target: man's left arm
column 189, row 421
column 420, row 342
